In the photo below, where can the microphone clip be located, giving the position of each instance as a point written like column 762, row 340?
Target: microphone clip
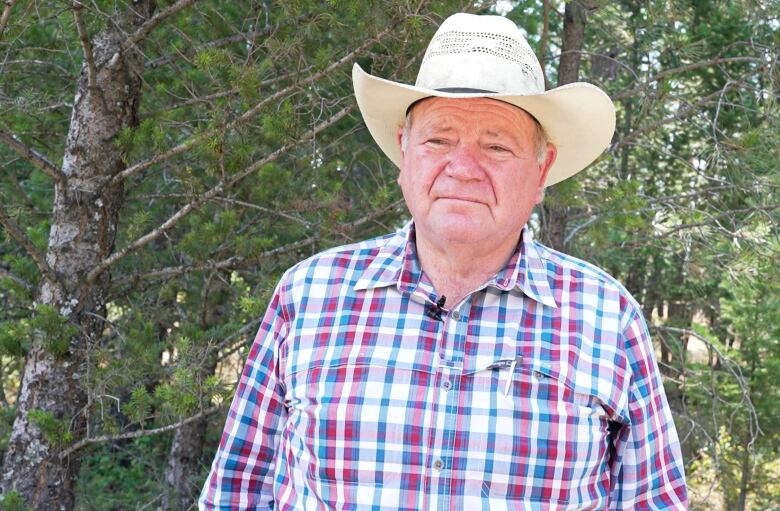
column 434, row 311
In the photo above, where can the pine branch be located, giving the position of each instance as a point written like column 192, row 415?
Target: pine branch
column 218, row 43
column 16, row 233
column 85, row 45
column 32, row 156
column 5, row 273
column 223, row 184
column 249, row 114
column 679, row 70
column 222, row 94
column 375, row 214
column 732, row 366
column 234, row 202
column 145, row 29
column 9, row 4
column 682, row 113
column 231, row 263
column 140, row 433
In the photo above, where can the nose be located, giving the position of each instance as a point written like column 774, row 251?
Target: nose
column 464, row 163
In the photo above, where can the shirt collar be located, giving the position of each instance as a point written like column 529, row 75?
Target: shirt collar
column 396, row 263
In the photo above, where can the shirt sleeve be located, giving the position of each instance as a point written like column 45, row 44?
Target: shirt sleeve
column 647, row 470
column 242, row 474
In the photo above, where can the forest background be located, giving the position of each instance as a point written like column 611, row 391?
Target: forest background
column 163, row 162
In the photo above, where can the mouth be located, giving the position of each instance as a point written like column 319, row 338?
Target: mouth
column 461, row 199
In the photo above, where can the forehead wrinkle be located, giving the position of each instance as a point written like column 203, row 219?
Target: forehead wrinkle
column 439, row 113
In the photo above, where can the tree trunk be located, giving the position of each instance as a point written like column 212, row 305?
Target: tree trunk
column 83, row 230
column 554, row 214
column 182, row 475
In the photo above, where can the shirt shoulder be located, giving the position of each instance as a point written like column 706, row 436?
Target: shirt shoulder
column 564, row 270
column 338, row 266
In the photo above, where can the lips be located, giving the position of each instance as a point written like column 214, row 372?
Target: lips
column 460, row 198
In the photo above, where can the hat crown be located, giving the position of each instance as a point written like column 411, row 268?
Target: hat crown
column 487, row 53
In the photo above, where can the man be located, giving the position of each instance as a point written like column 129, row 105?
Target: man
column 457, row 364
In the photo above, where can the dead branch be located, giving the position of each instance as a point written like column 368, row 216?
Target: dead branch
column 138, row 434
column 16, row 233
column 230, row 263
column 32, row 156
column 144, row 30
column 9, row 4
column 85, row 45
column 4, row 273
column 235, row 202
column 213, row 192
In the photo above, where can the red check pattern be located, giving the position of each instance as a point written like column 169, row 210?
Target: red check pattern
column 538, row 391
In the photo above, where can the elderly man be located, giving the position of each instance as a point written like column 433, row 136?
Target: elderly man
column 457, row 364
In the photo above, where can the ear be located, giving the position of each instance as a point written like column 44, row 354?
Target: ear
column 398, row 137
column 544, row 169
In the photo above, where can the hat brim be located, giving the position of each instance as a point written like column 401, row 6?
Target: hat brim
column 579, row 118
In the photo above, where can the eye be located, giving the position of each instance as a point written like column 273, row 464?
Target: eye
column 498, row 148
column 436, row 141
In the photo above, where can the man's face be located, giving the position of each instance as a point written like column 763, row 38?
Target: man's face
column 470, row 173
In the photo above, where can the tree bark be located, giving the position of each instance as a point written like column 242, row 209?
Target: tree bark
column 554, row 215
column 83, row 230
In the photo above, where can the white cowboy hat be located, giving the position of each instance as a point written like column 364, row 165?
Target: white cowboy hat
column 487, row 56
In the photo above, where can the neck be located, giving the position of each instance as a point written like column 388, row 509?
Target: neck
column 458, row 269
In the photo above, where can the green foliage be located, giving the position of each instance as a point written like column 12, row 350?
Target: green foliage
column 13, row 501
column 6, row 425
column 56, row 431
column 55, row 329
column 139, row 408
column 116, row 477
column 14, row 338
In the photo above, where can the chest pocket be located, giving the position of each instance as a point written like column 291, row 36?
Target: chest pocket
column 545, row 437
column 353, row 415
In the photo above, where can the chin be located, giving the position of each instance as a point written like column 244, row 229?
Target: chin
column 462, row 230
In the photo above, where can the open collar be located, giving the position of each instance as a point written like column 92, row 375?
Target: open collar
column 397, row 264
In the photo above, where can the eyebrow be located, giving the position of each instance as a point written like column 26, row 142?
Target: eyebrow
column 493, row 133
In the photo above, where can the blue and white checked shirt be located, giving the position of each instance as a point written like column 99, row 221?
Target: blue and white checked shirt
column 538, row 391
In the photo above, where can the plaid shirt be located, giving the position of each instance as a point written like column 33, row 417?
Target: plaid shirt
column 539, row 391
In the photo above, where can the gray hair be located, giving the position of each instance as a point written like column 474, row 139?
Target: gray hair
column 542, row 139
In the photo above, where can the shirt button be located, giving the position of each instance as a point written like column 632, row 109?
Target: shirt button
column 438, row 464
column 446, row 385
column 455, row 315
